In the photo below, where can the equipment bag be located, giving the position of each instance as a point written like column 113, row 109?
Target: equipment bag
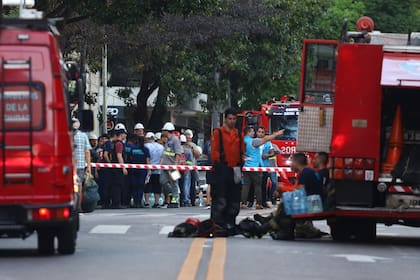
column 90, row 194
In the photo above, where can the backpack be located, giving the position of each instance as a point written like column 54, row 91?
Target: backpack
column 183, row 230
column 249, row 228
column 90, row 194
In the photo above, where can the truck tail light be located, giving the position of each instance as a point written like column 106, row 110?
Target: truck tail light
column 45, row 214
column 348, row 163
column 359, row 169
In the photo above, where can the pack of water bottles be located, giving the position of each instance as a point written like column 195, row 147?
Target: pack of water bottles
column 297, row 202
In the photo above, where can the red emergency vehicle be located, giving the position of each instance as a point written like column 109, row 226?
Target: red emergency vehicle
column 38, row 189
column 273, row 116
column 360, row 103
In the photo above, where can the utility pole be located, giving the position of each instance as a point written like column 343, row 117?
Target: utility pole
column 104, row 87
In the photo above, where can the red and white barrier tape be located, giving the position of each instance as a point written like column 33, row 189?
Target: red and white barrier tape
column 185, row 167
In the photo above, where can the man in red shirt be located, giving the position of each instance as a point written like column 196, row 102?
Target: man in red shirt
column 117, row 174
column 226, row 191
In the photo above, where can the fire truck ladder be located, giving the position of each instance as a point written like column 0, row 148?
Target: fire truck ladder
column 21, row 174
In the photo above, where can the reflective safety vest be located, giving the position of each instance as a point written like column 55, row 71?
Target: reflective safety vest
column 169, row 154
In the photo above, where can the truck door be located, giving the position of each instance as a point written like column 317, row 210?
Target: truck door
column 357, row 115
column 317, row 90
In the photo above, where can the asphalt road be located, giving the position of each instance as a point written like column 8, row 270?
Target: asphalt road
column 133, row 244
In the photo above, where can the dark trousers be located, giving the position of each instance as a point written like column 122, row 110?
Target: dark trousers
column 264, row 195
column 226, row 196
column 252, row 179
column 104, row 184
column 116, row 185
column 126, row 190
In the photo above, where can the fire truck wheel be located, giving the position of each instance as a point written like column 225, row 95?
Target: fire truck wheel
column 340, row 230
column 67, row 239
column 365, row 231
column 46, row 242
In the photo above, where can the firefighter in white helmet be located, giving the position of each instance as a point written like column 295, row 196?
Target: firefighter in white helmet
column 171, row 156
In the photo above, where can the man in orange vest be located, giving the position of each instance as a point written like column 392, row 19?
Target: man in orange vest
column 226, row 178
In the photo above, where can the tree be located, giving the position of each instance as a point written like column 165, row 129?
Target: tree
column 394, row 16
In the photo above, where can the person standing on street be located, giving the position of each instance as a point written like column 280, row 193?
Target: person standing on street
column 171, row 156
column 267, row 151
column 139, row 154
column 153, row 184
column 196, row 151
column 185, row 182
column 226, row 154
column 81, row 150
column 117, row 175
column 81, row 153
column 253, row 158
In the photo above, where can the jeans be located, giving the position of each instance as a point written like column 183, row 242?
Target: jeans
column 186, row 187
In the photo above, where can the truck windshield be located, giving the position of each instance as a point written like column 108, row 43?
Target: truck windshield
column 289, row 123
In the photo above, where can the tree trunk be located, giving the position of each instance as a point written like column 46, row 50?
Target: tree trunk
column 159, row 111
column 148, row 84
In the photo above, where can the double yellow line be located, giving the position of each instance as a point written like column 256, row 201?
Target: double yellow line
column 216, row 265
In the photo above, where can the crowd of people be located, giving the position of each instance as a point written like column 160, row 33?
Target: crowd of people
column 229, row 189
column 143, row 188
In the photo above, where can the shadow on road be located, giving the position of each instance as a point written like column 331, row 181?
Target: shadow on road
column 18, row 253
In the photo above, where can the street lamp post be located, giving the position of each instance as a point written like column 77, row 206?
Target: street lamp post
column 104, row 87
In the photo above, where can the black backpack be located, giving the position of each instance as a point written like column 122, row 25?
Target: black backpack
column 249, row 228
column 183, row 230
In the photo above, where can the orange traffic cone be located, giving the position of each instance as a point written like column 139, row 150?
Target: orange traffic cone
column 395, row 143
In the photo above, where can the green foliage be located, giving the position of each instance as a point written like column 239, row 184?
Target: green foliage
column 394, row 16
column 248, row 50
column 330, row 23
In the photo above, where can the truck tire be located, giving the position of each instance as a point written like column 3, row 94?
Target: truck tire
column 67, row 236
column 340, row 231
column 45, row 242
column 365, row 231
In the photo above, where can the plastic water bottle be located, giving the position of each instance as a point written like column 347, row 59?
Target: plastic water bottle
column 287, row 202
column 303, row 202
column 200, row 199
column 296, row 205
column 314, row 204
column 152, row 199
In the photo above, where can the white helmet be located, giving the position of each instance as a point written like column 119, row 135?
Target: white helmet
column 183, row 138
column 189, row 132
column 168, row 126
column 138, row 126
column 158, row 135
column 150, row 135
column 93, row 136
column 120, row 126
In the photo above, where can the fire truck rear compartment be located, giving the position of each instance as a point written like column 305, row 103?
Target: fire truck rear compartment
column 408, row 166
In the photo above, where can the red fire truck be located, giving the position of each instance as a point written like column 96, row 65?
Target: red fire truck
column 273, row 116
column 38, row 189
column 360, row 101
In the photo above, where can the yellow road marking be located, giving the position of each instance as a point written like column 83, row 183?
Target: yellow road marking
column 190, row 267
column 216, row 269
